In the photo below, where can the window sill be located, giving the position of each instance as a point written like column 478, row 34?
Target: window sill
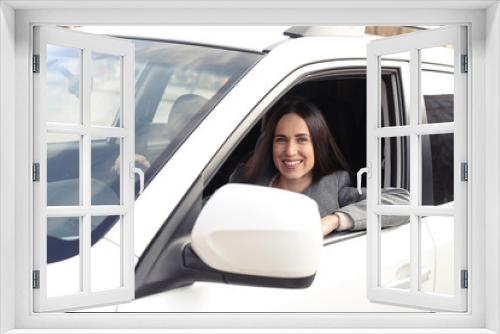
column 253, row 331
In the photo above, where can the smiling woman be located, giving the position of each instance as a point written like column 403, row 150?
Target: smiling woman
column 293, row 154
column 298, row 153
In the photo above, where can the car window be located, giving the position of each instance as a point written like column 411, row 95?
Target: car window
column 176, row 86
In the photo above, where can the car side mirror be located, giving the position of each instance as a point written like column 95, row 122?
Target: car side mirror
column 259, row 231
column 246, row 235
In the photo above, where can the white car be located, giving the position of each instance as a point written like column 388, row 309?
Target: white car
column 198, row 114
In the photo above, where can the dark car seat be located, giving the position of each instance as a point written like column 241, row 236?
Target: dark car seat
column 158, row 140
column 185, row 107
column 347, row 127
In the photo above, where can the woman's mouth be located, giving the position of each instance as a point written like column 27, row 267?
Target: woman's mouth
column 291, row 164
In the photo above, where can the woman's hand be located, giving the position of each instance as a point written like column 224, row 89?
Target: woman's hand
column 139, row 158
column 329, row 224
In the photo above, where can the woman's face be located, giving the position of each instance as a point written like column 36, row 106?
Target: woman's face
column 293, row 153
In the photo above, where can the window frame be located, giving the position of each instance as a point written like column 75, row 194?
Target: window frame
column 124, row 133
column 15, row 21
column 455, row 35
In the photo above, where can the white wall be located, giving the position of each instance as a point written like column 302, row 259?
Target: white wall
column 492, row 166
column 7, row 175
column 7, row 114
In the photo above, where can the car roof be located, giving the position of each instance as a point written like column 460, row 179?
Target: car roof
column 247, row 38
column 258, row 38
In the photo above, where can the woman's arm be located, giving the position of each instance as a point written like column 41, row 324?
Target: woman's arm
column 353, row 204
column 390, row 196
column 337, row 221
column 329, row 223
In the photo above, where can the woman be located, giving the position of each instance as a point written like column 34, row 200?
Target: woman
column 298, row 153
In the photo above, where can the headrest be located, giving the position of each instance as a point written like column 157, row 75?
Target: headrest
column 185, row 107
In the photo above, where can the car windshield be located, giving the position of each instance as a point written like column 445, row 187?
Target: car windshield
column 177, row 85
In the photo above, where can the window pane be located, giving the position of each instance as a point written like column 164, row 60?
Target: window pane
column 105, row 254
column 394, row 163
column 437, row 254
column 395, row 256
column 63, row 273
column 437, row 87
column 63, row 169
column 437, row 169
column 105, row 98
column 188, row 81
column 107, row 165
column 393, row 105
column 63, row 84
column 438, row 108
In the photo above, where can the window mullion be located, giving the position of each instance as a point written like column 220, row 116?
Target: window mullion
column 87, row 177
column 420, row 129
column 40, row 188
column 415, row 170
column 419, row 210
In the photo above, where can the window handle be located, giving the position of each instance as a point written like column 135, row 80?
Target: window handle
column 358, row 178
column 134, row 170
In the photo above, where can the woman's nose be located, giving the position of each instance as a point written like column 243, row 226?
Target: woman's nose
column 291, row 148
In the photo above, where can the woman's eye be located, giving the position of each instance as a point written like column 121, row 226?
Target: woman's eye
column 302, row 140
column 279, row 140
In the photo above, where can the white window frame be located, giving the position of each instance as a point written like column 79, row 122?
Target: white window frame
column 123, row 50
column 16, row 17
column 413, row 43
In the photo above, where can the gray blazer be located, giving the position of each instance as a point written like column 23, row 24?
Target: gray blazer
column 334, row 193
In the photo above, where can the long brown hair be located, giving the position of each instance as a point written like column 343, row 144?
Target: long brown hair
column 327, row 155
